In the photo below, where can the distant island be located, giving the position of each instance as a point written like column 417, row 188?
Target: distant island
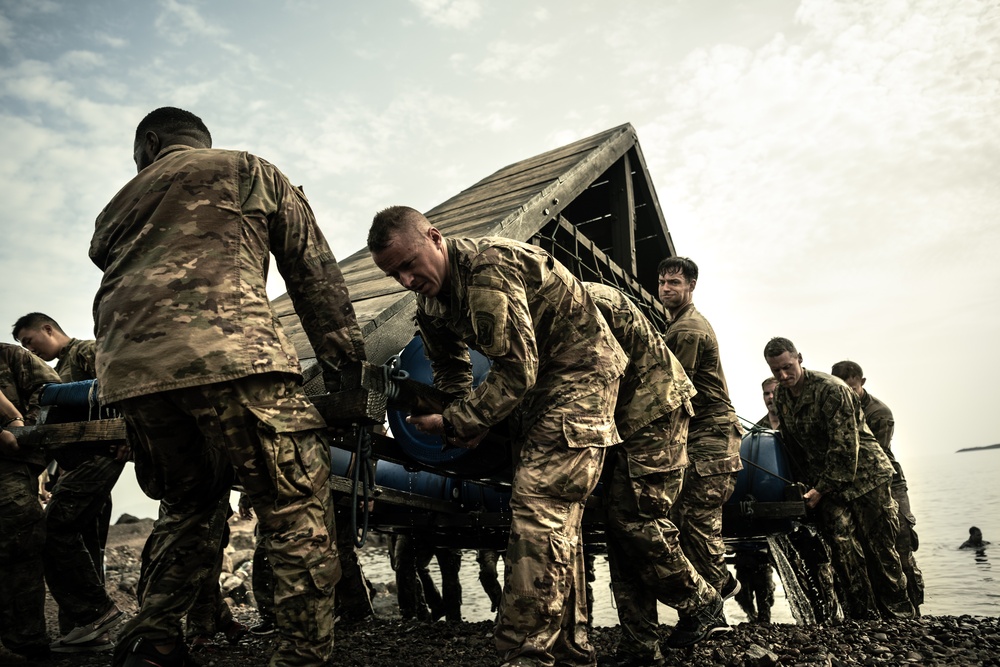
column 976, row 449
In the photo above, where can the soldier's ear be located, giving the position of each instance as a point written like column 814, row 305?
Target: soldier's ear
column 152, row 144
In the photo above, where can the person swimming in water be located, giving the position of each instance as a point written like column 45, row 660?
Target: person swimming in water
column 975, row 540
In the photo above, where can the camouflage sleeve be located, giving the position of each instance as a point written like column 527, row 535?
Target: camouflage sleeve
column 448, row 355
column 882, row 427
column 82, row 360
column 31, row 374
column 501, row 319
column 312, row 276
column 687, row 347
column 840, row 414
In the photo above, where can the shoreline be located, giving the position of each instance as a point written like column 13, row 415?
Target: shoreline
column 388, row 640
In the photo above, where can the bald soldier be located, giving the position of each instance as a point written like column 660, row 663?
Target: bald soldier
column 647, row 471
column 555, row 363
column 192, row 353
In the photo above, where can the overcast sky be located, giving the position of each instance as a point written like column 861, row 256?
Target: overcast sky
column 831, row 166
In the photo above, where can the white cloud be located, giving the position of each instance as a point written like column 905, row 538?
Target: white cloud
column 6, row 32
column 519, row 62
column 457, row 14
column 809, row 133
column 836, row 186
column 35, row 82
column 80, row 60
column 179, row 21
column 113, row 41
column 540, row 14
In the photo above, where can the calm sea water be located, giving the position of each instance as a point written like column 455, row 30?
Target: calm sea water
column 948, row 491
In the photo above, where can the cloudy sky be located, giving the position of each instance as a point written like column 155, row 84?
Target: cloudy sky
column 832, row 166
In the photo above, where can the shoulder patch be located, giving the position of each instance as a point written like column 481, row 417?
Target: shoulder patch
column 489, row 320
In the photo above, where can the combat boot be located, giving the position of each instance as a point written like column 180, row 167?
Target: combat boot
column 143, row 653
column 692, row 628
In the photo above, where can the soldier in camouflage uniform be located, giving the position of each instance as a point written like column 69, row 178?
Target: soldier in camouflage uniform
column 78, row 514
column 770, row 420
column 823, row 430
column 416, row 591
column 713, row 443
column 554, row 361
column 191, row 351
column 878, row 416
column 647, row 470
column 22, row 526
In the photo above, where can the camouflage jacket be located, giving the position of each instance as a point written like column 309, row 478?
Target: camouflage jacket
column 826, row 436
column 692, row 340
column 184, row 249
column 879, row 418
column 76, row 361
column 654, row 383
column 523, row 310
column 22, row 376
column 763, row 423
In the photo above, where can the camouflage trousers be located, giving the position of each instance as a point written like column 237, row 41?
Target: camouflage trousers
column 644, row 553
column 543, row 614
column 417, row 594
column 75, row 515
column 698, row 516
column 708, row 484
column 756, row 576
column 489, row 579
column 22, row 541
column 906, row 543
column 189, row 442
column 354, row 601
column 352, row 595
column 263, row 580
column 862, row 536
column 210, row 613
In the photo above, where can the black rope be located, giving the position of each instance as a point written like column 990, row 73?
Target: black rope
column 363, row 477
column 769, row 472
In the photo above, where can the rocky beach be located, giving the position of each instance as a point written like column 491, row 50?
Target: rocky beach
column 387, row 640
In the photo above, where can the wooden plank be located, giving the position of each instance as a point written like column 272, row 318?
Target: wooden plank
column 393, row 331
column 534, row 178
column 487, row 209
column 550, row 202
column 373, row 288
column 647, row 193
column 53, row 436
column 575, row 150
